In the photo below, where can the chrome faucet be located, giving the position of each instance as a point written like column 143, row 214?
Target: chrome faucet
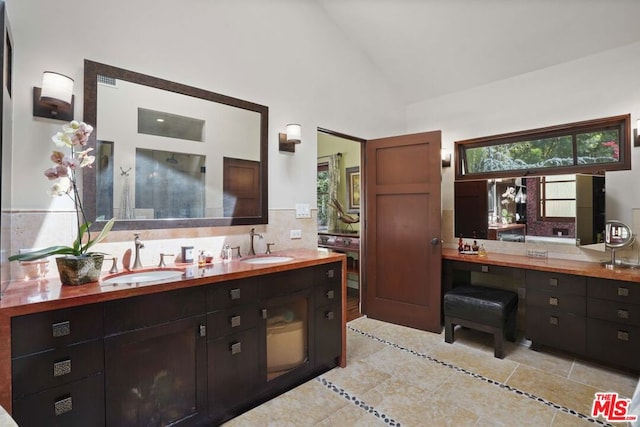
column 139, row 245
column 253, row 234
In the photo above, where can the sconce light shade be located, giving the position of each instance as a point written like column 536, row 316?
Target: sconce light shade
column 446, row 158
column 287, row 141
column 636, row 142
column 55, row 99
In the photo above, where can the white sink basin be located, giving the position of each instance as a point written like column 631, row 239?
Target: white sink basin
column 267, row 259
column 144, row 276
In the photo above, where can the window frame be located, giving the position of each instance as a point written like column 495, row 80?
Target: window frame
column 622, row 123
column 542, row 183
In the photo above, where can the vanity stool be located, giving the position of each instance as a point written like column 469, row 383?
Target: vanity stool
column 484, row 309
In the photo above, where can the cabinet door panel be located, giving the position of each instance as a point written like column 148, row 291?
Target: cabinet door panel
column 328, row 274
column 157, row 375
column 559, row 330
column 328, row 322
column 234, row 375
column 80, row 404
column 614, row 343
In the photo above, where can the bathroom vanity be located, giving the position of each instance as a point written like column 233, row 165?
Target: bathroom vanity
column 580, row 307
column 197, row 350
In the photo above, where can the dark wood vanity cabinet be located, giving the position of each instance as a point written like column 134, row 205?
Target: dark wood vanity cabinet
column 613, row 309
column 556, row 306
column 57, row 368
column 192, row 356
column 155, row 359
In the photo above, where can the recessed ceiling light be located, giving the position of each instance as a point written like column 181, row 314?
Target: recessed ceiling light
column 160, row 120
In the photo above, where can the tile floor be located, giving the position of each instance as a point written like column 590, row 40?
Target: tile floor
column 404, row 377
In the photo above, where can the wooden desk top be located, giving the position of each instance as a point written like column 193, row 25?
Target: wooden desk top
column 578, row 268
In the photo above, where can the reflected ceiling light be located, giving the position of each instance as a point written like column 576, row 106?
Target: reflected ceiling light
column 55, row 99
column 288, row 141
column 160, row 120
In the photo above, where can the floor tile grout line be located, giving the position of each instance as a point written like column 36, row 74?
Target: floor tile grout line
column 482, row 378
column 352, row 398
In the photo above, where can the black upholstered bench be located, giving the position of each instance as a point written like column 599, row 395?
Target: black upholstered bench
column 484, row 309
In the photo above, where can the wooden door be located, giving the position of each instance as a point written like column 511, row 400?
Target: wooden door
column 402, row 230
column 241, row 187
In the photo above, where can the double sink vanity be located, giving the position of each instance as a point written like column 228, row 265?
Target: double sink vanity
column 179, row 346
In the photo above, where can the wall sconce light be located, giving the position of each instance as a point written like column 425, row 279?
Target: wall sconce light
column 288, row 141
column 446, row 158
column 636, row 141
column 55, row 99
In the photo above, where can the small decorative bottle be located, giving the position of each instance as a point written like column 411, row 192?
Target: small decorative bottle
column 482, row 251
column 475, row 246
column 460, row 245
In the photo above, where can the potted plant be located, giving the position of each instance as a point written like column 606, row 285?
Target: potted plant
column 77, row 265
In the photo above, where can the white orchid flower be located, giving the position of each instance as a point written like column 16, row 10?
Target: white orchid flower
column 60, row 188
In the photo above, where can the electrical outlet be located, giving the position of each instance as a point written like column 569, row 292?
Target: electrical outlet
column 295, row 234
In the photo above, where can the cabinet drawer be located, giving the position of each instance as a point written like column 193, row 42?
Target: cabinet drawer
column 233, row 293
column 327, row 294
column 614, row 343
column 614, row 311
column 231, row 320
column 56, row 367
column 563, row 331
column 285, row 283
column 557, row 302
column 80, row 403
column 614, row 290
column 328, row 274
column 148, row 310
column 42, row 331
column 556, row 282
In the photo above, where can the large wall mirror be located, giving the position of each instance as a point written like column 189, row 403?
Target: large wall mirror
column 545, row 209
column 170, row 155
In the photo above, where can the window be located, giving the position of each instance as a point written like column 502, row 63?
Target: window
column 323, row 195
column 590, row 146
column 557, row 201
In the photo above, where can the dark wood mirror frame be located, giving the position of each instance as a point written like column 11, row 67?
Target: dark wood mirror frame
column 91, row 71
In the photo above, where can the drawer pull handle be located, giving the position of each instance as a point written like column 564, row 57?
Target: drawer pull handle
column 329, row 315
column 553, row 282
column 62, row 368
column 553, row 301
column 61, row 329
column 234, row 293
column 63, row 406
column 265, row 314
column 623, row 314
column 485, row 268
column 623, row 292
column 330, row 295
column 236, row 348
column 554, row 320
column 235, row 321
column 623, row 335
column 330, row 274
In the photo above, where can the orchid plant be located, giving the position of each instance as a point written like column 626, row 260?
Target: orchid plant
column 73, row 136
column 508, row 199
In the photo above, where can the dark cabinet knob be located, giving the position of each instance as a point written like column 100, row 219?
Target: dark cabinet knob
column 623, row 314
column 623, row 335
column 330, row 294
column 61, row 329
column 329, row 315
column 63, row 406
column 236, row 348
column 203, row 330
column 553, row 301
column 553, row 282
column 234, row 294
column 234, row 321
column 554, row 320
column 62, row 368
column 330, row 274
column 623, row 292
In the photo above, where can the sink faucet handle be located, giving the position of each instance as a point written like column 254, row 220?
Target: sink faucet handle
column 162, row 255
column 237, row 248
column 269, row 248
column 114, row 266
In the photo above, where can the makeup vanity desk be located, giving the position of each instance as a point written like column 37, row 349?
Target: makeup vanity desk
column 580, row 307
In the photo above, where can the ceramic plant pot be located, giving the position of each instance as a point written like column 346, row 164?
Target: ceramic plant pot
column 78, row 270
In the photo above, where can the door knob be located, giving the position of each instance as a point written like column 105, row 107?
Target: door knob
column 435, row 241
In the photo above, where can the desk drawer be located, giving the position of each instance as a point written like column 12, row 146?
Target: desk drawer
column 56, row 367
column 614, row 311
column 53, row 329
column 556, row 282
column 232, row 293
column 328, row 274
column 614, row 290
column 557, row 302
column 614, row 343
column 559, row 330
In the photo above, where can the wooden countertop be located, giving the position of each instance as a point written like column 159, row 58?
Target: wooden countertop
column 578, row 268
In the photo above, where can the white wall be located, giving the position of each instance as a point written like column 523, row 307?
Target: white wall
column 597, row 86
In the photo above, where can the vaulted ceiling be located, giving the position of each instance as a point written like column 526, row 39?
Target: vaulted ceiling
column 428, row 48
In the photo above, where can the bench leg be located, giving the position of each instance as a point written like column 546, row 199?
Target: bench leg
column 498, row 344
column 448, row 330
